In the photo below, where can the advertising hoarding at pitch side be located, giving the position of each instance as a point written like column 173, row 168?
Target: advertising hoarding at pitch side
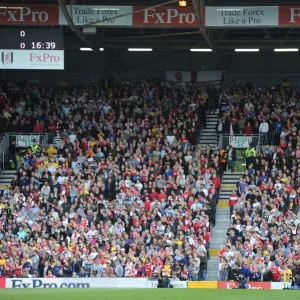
column 39, row 283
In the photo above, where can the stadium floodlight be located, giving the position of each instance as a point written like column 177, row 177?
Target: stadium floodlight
column 201, row 50
column 140, row 49
column 247, row 50
column 86, row 49
column 286, row 50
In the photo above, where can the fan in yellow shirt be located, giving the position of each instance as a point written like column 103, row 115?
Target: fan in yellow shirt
column 51, row 151
column 286, row 274
column 2, row 262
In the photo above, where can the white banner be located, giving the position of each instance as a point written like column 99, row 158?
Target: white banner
column 176, row 284
column 105, row 15
column 246, row 16
column 76, row 283
column 27, row 140
column 280, row 285
column 32, row 59
column 240, row 141
column 194, row 76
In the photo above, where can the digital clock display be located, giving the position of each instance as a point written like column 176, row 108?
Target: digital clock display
column 31, row 38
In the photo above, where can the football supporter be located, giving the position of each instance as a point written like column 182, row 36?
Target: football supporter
column 121, row 189
column 264, row 235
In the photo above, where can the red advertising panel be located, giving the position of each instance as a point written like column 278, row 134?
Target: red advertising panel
column 28, row 14
column 166, row 16
column 251, row 285
column 2, row 283
column 289, row 15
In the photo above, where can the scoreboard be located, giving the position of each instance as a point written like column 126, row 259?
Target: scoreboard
column 31, row 38
column 31, row 48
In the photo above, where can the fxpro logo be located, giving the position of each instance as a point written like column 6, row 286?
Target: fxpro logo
column 23, row 14
column 39, row 283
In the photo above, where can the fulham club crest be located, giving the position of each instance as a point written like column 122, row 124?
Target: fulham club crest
column 7, row 58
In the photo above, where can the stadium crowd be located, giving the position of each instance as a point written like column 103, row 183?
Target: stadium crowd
column 263, row 241
column 120, row 191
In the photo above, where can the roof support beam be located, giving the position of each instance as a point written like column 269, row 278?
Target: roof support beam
column 286, row 36
column 197, row 9
column 77, row 31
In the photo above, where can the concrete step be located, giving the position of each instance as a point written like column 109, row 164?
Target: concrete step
column 220, row 227
column 228, row 186
column 207, row 139
column 226, row 192
column 218, row 232
column 5, row 181
column 204, row 144
column 208, row 135
column 12, row 172
column 212, row 273
column 212, row 278
column 6, row 176
column 218, row 236
column 222, row 219
column 230, row 180
column 216, row 244
column 213, row 264
column 231, row 176
column 224, row 197
column 208, row 142
column 222, row 211
column 234, row 173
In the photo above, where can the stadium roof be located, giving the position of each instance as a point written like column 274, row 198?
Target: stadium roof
column 222, row 40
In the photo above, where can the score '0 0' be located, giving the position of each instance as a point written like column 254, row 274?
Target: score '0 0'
column 37, row 45
column 40, row 45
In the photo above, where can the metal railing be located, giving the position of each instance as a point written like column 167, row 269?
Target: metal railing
column 7, row 138
column 27, row 139
column 4, row 145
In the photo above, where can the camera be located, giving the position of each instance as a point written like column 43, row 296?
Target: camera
column 164, row 283
column 242, row 281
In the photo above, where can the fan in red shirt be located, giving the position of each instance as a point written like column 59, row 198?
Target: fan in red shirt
column 148, row 268
column 233, row 199
column 50, row 274
column 216, row 181
column 38, row 128
column 147, row 204
column 275, row 272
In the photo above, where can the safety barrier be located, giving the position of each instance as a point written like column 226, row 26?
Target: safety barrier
column 69, row 283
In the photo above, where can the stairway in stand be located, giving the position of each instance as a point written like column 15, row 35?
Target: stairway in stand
column 209, row 135
column 5, row 177
column 218, row 232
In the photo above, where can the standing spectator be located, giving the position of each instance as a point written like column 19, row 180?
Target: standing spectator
column 223, row 273
column 119, row 269
column 203, row 266
column 231, row 158
column 12, row 154
column 233, row 199
column 264, row 131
